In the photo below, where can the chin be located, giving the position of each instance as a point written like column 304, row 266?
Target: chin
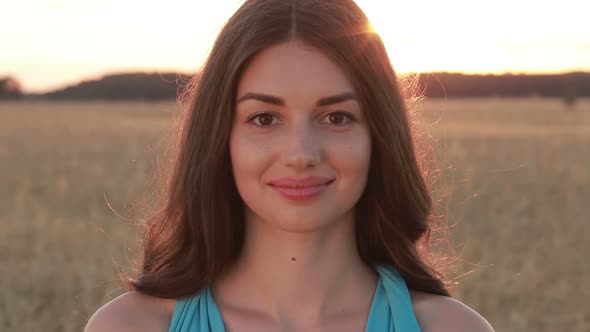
column 297, row 226
column 301, row 222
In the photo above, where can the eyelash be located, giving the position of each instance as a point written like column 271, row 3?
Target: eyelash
column 350, row 117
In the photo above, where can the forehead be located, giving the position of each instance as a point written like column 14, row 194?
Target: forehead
column 293, row 70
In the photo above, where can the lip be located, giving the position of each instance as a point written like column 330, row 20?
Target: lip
column 294, row 190
column 310, row 181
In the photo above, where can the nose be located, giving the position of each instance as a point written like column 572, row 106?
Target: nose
column 301, row 148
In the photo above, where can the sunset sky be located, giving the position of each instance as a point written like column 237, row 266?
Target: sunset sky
column 50, row 44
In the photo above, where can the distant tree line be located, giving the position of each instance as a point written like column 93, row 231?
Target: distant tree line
column 575, row 84
column 147, row 86
column 161, row 86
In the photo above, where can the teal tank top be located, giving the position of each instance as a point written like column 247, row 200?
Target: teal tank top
column 391, row 309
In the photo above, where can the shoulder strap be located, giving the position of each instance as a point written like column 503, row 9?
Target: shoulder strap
column 197, row 314
column 391, row 310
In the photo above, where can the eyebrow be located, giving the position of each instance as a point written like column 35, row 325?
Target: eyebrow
column 330, row 100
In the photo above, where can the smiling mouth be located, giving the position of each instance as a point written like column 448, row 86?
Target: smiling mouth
column 301, row 192
column 301, row 186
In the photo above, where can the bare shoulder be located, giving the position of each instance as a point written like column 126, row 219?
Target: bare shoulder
column 437, row 313
column 130, row 312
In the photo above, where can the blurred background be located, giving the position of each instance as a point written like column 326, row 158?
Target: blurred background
column 88, row 90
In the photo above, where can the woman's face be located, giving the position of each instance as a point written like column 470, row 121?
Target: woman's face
column 296, row 116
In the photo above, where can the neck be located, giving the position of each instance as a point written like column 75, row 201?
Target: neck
column 298, row 277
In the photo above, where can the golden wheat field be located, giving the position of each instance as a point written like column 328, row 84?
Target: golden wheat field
column 517, row 174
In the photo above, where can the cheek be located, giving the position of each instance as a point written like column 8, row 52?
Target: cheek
column 248, row 155
column 351, row 155
column 351, row 158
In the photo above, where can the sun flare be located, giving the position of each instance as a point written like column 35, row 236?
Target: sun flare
column 456, row 36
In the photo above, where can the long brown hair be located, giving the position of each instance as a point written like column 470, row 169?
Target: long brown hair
column 197, row 227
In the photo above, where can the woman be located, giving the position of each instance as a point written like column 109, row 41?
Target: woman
column 295, row 201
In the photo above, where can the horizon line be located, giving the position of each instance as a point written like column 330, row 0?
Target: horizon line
column 98, row 77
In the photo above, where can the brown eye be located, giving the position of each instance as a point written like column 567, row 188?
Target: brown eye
column 264, row 119
column 340, row 118
column 336, row 118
